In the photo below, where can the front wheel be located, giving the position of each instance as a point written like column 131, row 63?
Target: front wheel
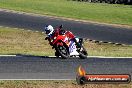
column 57, row 54
column 83, row 53
column 62, row 51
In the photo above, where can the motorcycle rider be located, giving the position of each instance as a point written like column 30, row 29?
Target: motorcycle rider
column 51, row 32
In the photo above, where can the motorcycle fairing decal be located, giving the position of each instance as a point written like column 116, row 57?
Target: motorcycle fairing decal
column 73, row 49
column 66, row 39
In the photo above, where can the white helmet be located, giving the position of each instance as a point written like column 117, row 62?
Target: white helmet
column 49, row 30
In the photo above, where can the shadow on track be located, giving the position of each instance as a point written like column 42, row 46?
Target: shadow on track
column 51, row 57
column 22, row 55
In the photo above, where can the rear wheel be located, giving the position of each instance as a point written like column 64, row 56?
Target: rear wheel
column 83, row 53
column 62, row 51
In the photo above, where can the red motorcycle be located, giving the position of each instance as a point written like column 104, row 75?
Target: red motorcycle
column 66, row 47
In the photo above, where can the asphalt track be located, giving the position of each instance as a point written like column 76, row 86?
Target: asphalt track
column 30, row 67
column 81, row 29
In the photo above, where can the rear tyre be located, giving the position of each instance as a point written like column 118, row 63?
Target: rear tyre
column 83, row 53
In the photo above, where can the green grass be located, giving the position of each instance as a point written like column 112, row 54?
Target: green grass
column 57, row 84
column 115, row 14
column 108, row 50
column 13, row 41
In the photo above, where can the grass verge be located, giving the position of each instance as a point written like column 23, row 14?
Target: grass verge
column 100, row 12
column 14, row 41
column 57, row 84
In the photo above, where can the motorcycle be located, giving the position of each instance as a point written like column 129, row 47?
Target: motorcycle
column 67, row 48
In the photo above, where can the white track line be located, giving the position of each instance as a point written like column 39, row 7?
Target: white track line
column 7, row 55
column 7, row 27
column 43, row 32
column 28, row 30
column 55, row 56
column 100, row 57
column 22, row 29
column 10, row 27
column 15, row 28
column 36, row 31
column 1, row 26
column 107, row 57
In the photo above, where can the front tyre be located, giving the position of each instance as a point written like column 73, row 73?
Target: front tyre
column 57, row 54
column 62, row 51
column 83, row 53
